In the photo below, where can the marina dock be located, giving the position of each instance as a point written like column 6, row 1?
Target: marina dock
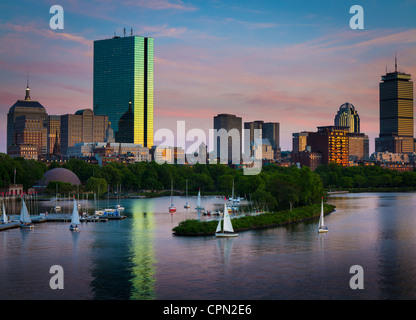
column 58, row 218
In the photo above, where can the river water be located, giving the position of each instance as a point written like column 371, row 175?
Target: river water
column 139, row 258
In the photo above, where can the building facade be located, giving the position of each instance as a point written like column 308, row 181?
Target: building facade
column 83, row 126
column 299, row 141
column 396, row 113
column 270, row 131
column 332, row 143
column 228, row 137
column 358, row 147
column 54, row 128
column 123, row 72
column 347, row 116
column 26, row 125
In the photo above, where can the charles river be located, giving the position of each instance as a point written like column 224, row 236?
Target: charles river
column 139, row 258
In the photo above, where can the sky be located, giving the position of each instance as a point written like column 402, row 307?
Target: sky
column 292, row 62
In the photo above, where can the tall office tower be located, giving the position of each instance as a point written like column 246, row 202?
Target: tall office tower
column 347, row 116
column 358, row 146
column 26, row 125
column 125, row 133
column 53, row 125
column 228, row 122
column 123, row 72
column 270, row 132
column 83, row 126
column 332, row 143
column 299, row 141
column 396, row 113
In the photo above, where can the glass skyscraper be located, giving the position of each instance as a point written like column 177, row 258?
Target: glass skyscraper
column 123, row 73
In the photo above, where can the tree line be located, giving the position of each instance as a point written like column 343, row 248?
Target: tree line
column 336, row 176
column 275, row 187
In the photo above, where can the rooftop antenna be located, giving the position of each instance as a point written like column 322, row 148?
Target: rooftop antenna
column 395, row 62
column 27, row 97
column 124, row 31
column 131, row 31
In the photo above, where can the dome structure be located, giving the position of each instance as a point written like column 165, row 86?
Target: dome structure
column 59, row 174
column 347, row 116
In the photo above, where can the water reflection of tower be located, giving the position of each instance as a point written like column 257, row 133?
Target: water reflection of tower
column 142, row 251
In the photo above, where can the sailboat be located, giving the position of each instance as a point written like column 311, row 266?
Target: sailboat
column 25, row 221
column 198, row 202
column 322, row 228
column 75, row 218
column 57, row 208
column 172, row 208
column 5, row 219
column 225, row 230
column 119, row 207
column 186, row 206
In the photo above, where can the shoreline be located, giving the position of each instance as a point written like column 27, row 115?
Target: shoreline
column 194, row 223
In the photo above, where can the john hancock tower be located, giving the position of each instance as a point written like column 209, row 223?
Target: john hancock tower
column 123, row 87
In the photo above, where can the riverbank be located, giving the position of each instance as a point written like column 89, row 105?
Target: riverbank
column 193, row 227
column 375, row 189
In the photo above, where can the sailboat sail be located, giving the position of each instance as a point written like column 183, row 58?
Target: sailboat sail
column 4, row 215
column 24, row 213
column 75, row 215
column 228, row 227
column 218, row 226
column 321, row 221
column 198, row 201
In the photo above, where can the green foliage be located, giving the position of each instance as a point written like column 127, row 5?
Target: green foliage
column 28, row 172
column 194, row 227
column 96, row 185
column 60, row 187
column 336, row 176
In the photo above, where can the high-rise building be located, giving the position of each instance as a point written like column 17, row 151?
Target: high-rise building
column 229, row 134
column 270, row 131
column 358, row 146
column 396, row 113
column 125, row 132
column 123, row 72
column 26, row 125
column 332, row 143
column 83, row 126
column 347, row 116
column 299, row 141
column 54, row 127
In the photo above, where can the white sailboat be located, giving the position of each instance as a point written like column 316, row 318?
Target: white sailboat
column 199, row 207
column 25, row 221
column 75, row 218
column 225, row 230
column 5, row 219
column 119, row 207
column 172, row 208
column 322, row 228
column 57, row 208
column 186, row 206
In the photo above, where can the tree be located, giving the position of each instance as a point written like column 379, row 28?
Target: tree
column 96, row 185
column 346, row 182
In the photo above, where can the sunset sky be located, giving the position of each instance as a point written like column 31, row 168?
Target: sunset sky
column 293, row 62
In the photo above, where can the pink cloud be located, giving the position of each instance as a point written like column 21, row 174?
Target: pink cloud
column 162, row 5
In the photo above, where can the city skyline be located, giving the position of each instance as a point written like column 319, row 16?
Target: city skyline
column 213, row 57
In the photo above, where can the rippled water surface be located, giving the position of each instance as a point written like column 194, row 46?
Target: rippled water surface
column 139, row 258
